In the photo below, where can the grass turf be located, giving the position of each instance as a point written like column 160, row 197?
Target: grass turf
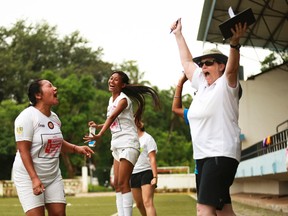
column 166, row 204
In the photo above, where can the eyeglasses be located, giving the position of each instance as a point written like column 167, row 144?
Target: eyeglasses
column 207, row 63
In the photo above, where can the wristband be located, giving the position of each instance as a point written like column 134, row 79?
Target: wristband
column 237, row 47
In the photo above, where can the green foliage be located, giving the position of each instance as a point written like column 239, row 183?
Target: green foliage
column 26, row 51
column 9, row 110
column 30, row 52
column 135, row 76
column 274, row 59
column 97, row 188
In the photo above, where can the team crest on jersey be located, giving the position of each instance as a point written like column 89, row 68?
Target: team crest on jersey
column 50, row 125
column 19, row 130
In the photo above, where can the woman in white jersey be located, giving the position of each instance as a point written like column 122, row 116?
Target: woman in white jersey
column 144, row 176
column 125, row 142
column 39, row 139
column 213, row 120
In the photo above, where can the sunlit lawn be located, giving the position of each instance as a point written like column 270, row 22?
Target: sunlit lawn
column 166, row 204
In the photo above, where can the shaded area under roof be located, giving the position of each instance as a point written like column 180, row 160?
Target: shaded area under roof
column 270, row 31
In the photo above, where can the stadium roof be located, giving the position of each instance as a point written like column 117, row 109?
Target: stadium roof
column 270, row 31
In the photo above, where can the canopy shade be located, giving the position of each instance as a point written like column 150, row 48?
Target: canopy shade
column 270, row 30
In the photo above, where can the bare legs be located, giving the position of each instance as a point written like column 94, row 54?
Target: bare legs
column 144, row 199
column 206, row 210
column 122, row 175
column 54, row 209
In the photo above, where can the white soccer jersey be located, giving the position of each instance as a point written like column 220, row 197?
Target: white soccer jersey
column 147, row 145
column 123, row 129
column 46, row 137
column 213, row 118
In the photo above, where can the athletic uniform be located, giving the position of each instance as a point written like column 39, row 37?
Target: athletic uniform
column 213, row 120
column 142, row 172
column 124, row 144
column 46, row 137
column 125, row 141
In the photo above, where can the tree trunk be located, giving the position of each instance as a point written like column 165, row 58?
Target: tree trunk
column 68, row 165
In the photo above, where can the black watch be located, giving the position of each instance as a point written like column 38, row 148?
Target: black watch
column 237, row 47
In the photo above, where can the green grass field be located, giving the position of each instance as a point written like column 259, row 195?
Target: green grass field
column 166, row 204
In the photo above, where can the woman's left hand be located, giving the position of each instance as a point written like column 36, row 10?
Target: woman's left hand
column 154, row 181
column 85, row 150
column 94, row 137
column 238, row 33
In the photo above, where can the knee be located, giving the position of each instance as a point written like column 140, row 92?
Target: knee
column 139, row 205
column 203, row 210
column 148, row 203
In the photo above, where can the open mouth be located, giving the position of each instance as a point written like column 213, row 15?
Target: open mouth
column 206, row 73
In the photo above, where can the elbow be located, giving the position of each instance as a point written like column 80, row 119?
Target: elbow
column 173, row 110
column 176, row 110
column 111, row 118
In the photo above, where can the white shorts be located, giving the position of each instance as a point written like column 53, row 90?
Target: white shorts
column 130, row 154
column 54, row 193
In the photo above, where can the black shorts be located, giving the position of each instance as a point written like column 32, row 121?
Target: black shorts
column 214, row 178
column 141, row 178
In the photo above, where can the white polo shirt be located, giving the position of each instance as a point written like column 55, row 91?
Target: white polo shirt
column 213, row 118
column 46, row 137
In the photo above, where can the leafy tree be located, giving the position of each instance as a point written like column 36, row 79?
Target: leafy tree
column 135, row 76
column 28, row 52
column 9, row 110
column 274, row 59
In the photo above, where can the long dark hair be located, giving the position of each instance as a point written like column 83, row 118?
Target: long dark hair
column 33, row 89
column 137, row 93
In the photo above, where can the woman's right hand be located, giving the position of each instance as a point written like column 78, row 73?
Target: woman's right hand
column 176, row 26
column 92, row 124
column 38, row 187
column 182, row 79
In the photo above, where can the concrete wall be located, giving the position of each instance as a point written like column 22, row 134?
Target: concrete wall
column 166, row 183
column 266, row 174
column 176, row 182
column 263, row 105
column 71, row 187
column 272, row 163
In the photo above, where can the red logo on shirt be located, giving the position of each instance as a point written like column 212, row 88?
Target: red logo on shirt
column 53, row 146
column 50, row 125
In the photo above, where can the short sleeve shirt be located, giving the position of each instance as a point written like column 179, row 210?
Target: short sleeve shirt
column 213, row 118
column 46, row 137
column 147, row 145
column 123, row 129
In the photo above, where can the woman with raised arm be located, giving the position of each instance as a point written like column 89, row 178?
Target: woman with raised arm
column 213, row 119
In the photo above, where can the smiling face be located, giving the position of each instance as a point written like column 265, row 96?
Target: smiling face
column 115, row 83
column 211, row 69
column 47, row 94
